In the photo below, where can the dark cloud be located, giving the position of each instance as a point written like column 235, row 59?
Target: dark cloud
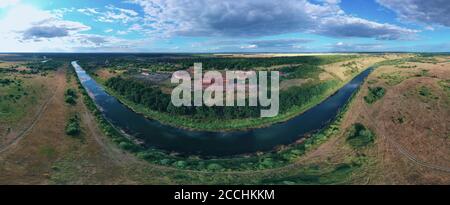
column 250, row 18
column 51, row 27
column 287, row 44
column 428, row 12
column 96, row 40
column 279, row 43
column 357, row 27
column 38, row 32
column 237, row 18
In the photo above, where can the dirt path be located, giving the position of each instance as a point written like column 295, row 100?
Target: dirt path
column 402, row 150
column 109, row 149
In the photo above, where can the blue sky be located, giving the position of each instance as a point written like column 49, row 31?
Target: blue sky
column 224, row 25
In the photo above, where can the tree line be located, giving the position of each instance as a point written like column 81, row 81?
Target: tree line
column 151, row 97
column 170, row 63
column 44, row 66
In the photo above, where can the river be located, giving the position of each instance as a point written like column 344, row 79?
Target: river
column 157, row 135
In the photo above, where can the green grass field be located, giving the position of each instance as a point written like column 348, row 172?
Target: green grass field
column 18, row 96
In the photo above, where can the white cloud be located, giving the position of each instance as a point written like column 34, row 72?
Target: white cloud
column 7, row 3
column 61, row 11
column 28, row 29
column 275, row 45
column 356, row 47
column 135, row 27
column 253, row 46
column 88, row 11
column 122, row 32
column 128, row 12
column 111, row 14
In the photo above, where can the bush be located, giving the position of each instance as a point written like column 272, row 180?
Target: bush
column 180, row 164
column 374, row 94
column 359, row 136
column 70, row 100
column 214, row 167
column 71, row 92
column 70, row 96
column 425, row 91
column 73, row 126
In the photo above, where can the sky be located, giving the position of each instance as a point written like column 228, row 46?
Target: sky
column 224, row 26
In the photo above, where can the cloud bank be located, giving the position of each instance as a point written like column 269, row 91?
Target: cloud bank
column 248, row 18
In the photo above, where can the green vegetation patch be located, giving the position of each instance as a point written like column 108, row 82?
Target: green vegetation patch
column 47, row 151
column 73, row 126
column 393, row 78
column 352, row 68
column 423, row 73
column 372, row 81
column 70, row 96
column 169, row 63
column 44, row 65
column 375, row 93
column 17, row 96
column 445, row 84
column 6, row 82
column 315, row 174
column 395, row 62
column 426, row 94
column 301, row 71
column 359, row 136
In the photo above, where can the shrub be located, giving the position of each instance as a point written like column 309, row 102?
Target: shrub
column 424, row 91
column 180, row 164
column 71, row 92
column 70, row 100
column 359, row 136
column 73, row 126
column 70, row 96
column 374, row 94
column 214, row 167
